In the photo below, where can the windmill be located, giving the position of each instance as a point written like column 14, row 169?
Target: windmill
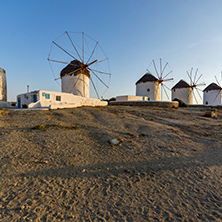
column 163, row 74
column 194, row 83
column 219, row 84
column 85, row 63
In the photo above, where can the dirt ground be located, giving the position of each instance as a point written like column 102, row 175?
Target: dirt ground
column 58, row 165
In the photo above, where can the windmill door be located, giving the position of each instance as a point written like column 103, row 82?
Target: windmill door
column 34, row 98
column 19, row 102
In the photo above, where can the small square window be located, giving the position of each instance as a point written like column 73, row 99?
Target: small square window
column 43, row 94
column 58, row 98
column 47, row 96
column 148, row 90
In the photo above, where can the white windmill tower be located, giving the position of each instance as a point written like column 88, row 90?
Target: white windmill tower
column 194, row 84
column 85, row 62
column 183, row 91
column 149, row 84
column 3, row 85
column 213, row 93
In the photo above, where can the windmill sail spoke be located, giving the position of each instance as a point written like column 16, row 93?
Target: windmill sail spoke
column 165, row 80
column 101, row 61
column 167, row 87
column 99, row 78
column 73, row 46
column 148, row 71
column 95, row 88
column 72, row 72
column 106, row 73
column 217, row 95
column 52, row 60
column 161, row 69
column 167, row 74
column 92, row 63
column 155, row 69
column 198, row 93
column 189, row 78
column 191, row 74
column 83, row 47
column 163, row 86
column 195, row 76
column 217, row 80
column 201, row 84
column 195, row 97
column 63, row 49
column 164, row 67
column 92, row 52
column 75, row 84
column 199, row 78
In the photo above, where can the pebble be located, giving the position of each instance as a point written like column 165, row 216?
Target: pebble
column 114, row 141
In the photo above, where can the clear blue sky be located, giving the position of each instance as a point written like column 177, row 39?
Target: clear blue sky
column 131, row 32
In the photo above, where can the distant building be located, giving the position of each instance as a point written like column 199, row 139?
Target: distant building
column 212, row 95
column 183, row 91
column 148, row 86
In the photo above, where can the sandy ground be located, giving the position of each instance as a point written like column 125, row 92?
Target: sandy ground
column 167, row 166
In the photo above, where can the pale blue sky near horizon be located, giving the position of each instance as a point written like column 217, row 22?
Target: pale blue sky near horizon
column 184, row 33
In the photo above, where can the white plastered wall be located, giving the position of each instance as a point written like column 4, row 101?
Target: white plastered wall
column 67, row 100
column 78, row 85
column 154, row 90
column 212, row 97
column 184, row 94
column 131, row 98
column 3, row 85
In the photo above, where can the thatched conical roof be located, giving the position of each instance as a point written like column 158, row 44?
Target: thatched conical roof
column 181, row 84
column 72, row 67
column 212, row 86
column 2, row 70
column 147, row 78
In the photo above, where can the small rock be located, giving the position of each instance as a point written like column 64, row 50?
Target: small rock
column 212, row 113
column 83, row 170
column 114, row 141
column 127, row 170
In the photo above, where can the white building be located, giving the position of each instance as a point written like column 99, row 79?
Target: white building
column 55, row 100
column 183, row 91
column 212, row 95
column 75, row 79
column 148, row 86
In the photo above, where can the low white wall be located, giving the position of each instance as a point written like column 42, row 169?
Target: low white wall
column 131, row 98
column 4, row 104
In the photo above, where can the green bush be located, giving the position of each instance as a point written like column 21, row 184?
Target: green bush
column 181, row 103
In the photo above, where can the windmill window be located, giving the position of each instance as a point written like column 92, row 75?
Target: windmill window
column 58, row 98
column 47, row 96
column 43, row 94
column 148, row 98
column 148, row 90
